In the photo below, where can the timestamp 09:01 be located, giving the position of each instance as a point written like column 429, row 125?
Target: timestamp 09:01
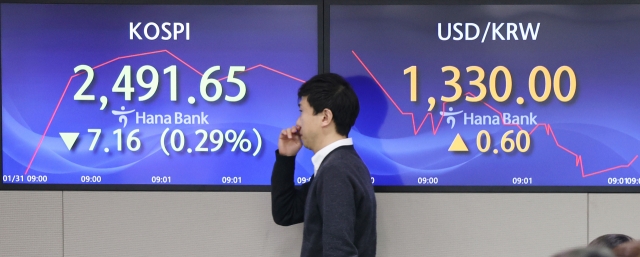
column 231, row 180
column 302, row 180
column 522, row 181
column 623, row 181
column 160, row 179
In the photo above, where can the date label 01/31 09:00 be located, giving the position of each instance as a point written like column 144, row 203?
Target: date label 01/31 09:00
column 24, row 178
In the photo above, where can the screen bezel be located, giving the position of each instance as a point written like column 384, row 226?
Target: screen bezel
column 323, row 30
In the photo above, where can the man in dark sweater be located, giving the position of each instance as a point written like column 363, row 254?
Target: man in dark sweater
column 338, row 205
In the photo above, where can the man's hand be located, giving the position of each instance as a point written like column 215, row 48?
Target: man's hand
column 289, row 142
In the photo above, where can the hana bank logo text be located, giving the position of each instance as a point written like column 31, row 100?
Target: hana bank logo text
column 472, row 119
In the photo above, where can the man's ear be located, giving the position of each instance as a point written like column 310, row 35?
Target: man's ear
column 327, row 117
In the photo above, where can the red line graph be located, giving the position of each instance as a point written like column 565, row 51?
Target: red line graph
column 132, row 56
column 547, row 127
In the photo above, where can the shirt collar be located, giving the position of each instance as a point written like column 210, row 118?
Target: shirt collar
column 320, row 155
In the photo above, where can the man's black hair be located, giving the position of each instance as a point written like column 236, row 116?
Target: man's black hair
column 331, row 91
column 610, row 240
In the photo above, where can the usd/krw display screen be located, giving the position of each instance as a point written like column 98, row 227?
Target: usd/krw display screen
column 509, row 95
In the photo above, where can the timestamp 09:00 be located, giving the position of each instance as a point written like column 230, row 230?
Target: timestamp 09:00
column 427, row 180
column 90, row 179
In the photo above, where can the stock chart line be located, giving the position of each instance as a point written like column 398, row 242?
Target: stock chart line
column 133, row 56
column 548, row 129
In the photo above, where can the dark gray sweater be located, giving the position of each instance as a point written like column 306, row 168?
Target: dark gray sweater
column 338, row 206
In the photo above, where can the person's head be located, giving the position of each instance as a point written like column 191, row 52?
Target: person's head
column 587, row 252
column 328, row 109
column 610, row 240
column 628, row 249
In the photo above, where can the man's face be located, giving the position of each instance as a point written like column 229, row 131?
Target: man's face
column 310, row 124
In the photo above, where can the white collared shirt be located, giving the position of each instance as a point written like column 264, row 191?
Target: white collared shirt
column 320, row 155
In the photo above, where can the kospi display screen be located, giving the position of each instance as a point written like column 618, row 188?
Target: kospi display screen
column 151, row 94
column 493, row 95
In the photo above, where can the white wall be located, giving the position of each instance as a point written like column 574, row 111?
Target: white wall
column 73, row 223
column 488, row 225
column 614, row 213
column 174, row 224
column 30, row 223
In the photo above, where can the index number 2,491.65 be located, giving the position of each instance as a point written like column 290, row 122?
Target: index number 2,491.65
column 123, row 83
